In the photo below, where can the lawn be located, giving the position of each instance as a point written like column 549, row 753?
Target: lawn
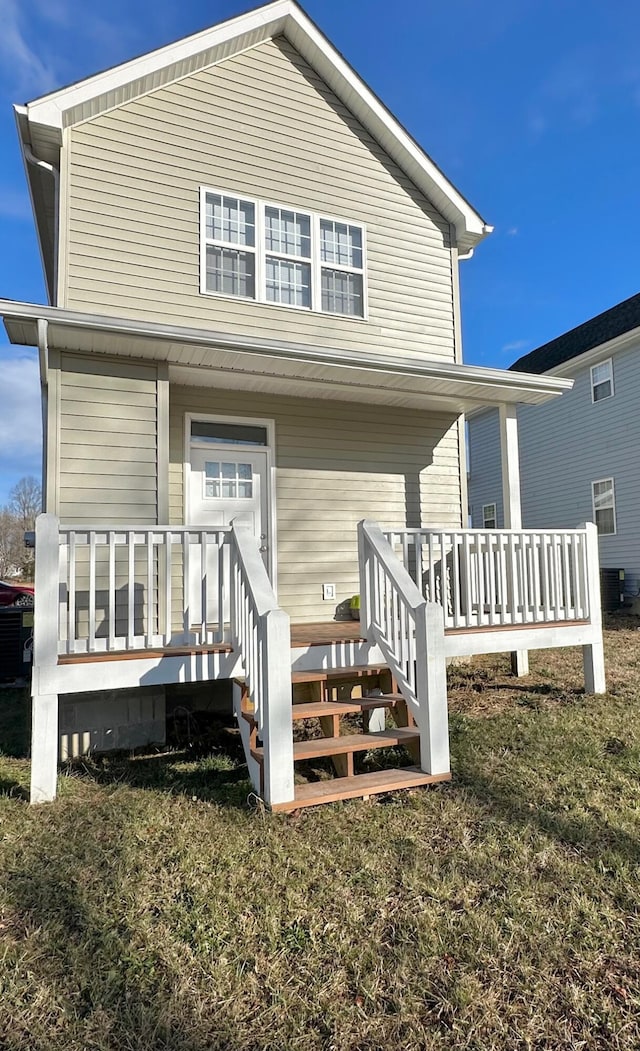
column 150, row 907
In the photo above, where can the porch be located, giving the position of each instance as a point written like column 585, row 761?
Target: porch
column 122, row 602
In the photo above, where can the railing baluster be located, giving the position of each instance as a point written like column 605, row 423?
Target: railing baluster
column 203, row 587
column 168, row 584
column 150, row 590
column 111, row 591
column 186, row 584
column 131, row 590
column 91, row 642
column 71, row 592
column 221, row 584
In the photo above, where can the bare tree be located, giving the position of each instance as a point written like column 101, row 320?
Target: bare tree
column 25, row 500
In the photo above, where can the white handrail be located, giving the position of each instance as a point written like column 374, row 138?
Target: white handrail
column 119, row 585
column 410, row 632
column 491, row 578
column 261, row 634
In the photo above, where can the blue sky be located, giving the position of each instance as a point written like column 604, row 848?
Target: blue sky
column 531, row 107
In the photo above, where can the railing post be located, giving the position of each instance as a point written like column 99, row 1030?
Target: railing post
column 44, row 711
column 277, row 724
column 431, row 689
column 593, row 654
column 364, row 568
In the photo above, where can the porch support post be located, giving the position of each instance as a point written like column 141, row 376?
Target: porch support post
column 512, row 508
column 593, row 655
column 44, row 718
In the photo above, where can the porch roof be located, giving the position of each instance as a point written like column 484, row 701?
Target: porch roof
column 220, row 359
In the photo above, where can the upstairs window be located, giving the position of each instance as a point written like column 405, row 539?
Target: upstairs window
column 272, row 254
column 604, row 506
column 602, row 381
column 489, row 517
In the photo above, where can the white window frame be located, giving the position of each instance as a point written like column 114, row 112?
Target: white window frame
column 494, row 516
column 599, row 364
column 261, row 253
column 601, row 481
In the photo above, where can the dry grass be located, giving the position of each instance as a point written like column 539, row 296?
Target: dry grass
column 149, row 907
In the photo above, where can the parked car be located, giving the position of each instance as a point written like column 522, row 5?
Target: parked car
column 20, row 595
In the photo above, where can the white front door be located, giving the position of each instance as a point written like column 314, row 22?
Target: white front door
column 226, row 483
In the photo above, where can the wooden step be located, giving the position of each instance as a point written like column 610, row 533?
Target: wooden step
column 322, row 675
column 359, row 786
column 318, row 709
column 323, row 746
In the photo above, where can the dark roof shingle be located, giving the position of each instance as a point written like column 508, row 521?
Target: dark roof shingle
column 614, row 322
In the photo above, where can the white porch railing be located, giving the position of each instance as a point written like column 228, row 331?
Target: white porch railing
column 410, row 633
column 138, row 587
column 503, row 577
column 261, row 634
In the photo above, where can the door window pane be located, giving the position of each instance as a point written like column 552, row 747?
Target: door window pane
column 227, row 480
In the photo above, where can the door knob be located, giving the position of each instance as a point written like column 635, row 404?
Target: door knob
column 264, row 548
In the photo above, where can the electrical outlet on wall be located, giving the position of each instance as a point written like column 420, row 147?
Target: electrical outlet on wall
column 329, row 592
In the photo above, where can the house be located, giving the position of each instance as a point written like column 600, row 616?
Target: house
column 589, row 438
column 251, row 369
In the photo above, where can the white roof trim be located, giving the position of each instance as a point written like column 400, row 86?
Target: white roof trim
column 141, row 75
column 498, row 384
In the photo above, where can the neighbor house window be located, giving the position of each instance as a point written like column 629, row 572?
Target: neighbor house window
column 272, row 254
column 602, row 381
column 604, row 506
column 489, row 518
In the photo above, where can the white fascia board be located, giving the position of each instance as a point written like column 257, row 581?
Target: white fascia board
column 147, row 73
column 499, row 384
column 50, row 109
column 603, row 350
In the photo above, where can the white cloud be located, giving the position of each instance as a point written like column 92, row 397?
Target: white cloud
column 23, row 68
column 512, row 231
column 517, row 344
column 20, row 417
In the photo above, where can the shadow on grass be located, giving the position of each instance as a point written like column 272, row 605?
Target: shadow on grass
column 588, row 836
column 15, row 716
column 210, row 779
column 109, row 983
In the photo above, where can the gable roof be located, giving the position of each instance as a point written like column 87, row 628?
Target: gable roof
column 42, row 121
column 612, row 323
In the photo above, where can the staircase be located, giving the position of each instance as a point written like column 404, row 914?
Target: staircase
column 342, row 747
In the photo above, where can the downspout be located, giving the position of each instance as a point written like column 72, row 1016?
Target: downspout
column 31, row 158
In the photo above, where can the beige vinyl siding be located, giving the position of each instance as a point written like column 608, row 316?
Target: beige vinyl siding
column 265, row 125
column 107, row 441
column 335, row 464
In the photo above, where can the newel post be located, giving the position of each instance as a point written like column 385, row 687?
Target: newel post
column 364, row 570
column 44, row 709
column 593, row 654
column 431, row 689
column 277, row 722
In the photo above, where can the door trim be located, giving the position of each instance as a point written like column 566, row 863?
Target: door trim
column 269, row 449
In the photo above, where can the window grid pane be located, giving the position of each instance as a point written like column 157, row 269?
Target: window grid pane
column 341, row 293
column 287, row 232
column 230, row 219
column 340, row 244
column 288, row 282
column 602, row 381
column 230, row 272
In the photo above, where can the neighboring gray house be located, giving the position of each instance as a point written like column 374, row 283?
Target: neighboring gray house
column 579, row 457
